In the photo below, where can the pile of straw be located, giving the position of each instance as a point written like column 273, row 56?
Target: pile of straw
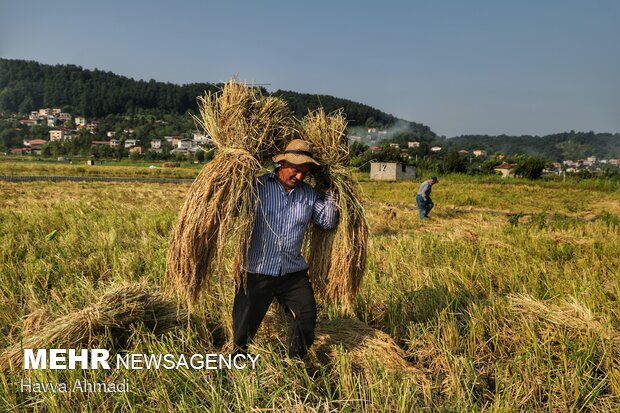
column 337, row 259
column 572, row 315
column 365, row 345
column 116, row 312
column 218, row 215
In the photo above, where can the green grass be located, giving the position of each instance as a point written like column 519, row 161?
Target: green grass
column 449, row 291
column 108, row 168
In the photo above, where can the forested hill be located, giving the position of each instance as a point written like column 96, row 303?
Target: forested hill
column 28, row 85
column 556, row 147
column 360, row 113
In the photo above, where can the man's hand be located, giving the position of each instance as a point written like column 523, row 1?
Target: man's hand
column 323, row 180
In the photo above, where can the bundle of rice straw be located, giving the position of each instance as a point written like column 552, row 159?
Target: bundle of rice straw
column 337, row 259
column 217, row 218
column 116, row 311
column 571, row 315
column 364, row 343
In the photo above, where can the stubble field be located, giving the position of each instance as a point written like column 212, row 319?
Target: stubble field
column 507, row 299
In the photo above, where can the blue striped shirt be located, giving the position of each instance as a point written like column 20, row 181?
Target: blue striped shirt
column 280, row 225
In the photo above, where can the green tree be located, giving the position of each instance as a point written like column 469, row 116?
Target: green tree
column 455, row 163
column 530, row 167
column 27, row 105
column 357, row 149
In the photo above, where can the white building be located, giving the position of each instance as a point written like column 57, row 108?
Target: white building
column 201, row 139
column 58, row 134
column 185, row 143
column 413, row 144
column 391, row 171
column 130, row 143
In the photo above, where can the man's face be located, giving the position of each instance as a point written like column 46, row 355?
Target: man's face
column 291, row 175
column 432, row 182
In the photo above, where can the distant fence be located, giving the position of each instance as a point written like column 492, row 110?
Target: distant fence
column 55, row 178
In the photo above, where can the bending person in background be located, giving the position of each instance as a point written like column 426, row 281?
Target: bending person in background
column 423, row 197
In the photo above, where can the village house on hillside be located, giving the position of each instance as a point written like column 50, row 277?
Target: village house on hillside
column 201, row 139
column 34, row 145
column 80, row 121
column 130, row 143
column 59, row 134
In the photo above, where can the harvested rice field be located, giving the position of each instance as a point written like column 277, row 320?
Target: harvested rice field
column 506, row 299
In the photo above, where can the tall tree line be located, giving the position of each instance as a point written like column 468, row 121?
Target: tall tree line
column 28, row 85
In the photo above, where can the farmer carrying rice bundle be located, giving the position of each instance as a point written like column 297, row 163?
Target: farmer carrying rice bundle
column 252, row 227
column 217, row 217
column 276, row 269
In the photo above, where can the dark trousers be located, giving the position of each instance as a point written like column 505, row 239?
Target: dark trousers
column 294, row 293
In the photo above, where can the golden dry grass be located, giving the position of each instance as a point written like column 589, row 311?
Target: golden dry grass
column 117, row 310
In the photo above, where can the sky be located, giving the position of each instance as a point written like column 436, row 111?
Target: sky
column 460, row 67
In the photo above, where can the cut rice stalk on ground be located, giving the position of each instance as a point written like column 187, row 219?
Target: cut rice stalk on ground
column 116, row 312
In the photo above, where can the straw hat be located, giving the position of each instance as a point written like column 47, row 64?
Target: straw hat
column 298, row 152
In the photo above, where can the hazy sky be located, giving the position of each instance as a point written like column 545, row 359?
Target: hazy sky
column 460, row 67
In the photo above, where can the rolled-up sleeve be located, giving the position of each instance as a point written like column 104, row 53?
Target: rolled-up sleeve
column 325, row 212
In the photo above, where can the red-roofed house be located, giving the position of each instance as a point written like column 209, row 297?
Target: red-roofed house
column 506, row 169
column 35, row 142
column 28, row 122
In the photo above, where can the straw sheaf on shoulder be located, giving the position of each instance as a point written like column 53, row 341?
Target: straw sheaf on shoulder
column 337, row 259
